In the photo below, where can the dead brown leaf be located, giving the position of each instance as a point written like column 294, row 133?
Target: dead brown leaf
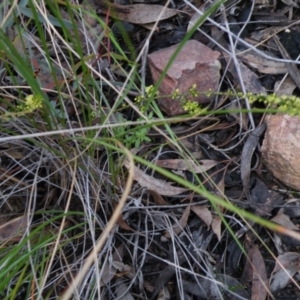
column 16, row 154
column 187, row 164
column 121, row 222
column 139, row 13
column 246, row 156
column 203, row 213
column 286, row 87
column 151, row 183
column 260, row 284
column 129, row 271
column 292, row 68
column 109, row 269
column 122, row 290
column 158, row 199
column 164, row 294
column 216, row 226
column 284, row 221
column 287, row 265
column 250, row 79
column 221, row 186
column 13, row 230
column 181, row 223
column 263, row 65
column 282, row 240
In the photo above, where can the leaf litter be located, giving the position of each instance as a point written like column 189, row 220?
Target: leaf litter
column 174, row 242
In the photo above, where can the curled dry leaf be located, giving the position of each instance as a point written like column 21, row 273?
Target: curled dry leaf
column 203, row 213
column 260, row 196
column 287, row 265
column 181, row 223
column 236, row 290
column 158, row 199
column 286, row 87
column 111, row 268
column 250, row 79
column 221, row 186
column 260, row 284
column 151, row 183
column 292, row 68
column 108, row 273
column 284, row 221
column 164, row 294
column 12, row 153
column 122, row 290
column 263, row 65
column 187, row 164
column 216, row 226
column 139, row 13
column 13, row 230
column 246, row 156
column 124, row 268
column 210, row 289
column 282, row 240
column 200, row 289
column 123, row 224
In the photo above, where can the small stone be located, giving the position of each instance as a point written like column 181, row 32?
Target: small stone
column 196, row 64
column 281, row 149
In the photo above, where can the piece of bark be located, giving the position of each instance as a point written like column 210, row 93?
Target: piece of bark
column 281, row 149
column 195, row 64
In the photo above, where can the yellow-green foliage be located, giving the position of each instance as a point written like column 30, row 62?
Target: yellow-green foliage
column 284, row 103
column 32, row 102
column 192, row 107
column 184, row 98
column 141, row 100
column 187, row 104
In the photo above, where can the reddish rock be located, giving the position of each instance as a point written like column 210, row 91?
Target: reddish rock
column 281, row 149
column 195, row 64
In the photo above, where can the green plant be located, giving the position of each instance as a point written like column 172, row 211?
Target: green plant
column 82, row 169
column 138, row 135
column 134, row 136
column 31, row 103
column 289, row 104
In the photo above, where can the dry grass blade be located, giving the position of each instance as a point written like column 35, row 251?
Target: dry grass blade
column 92, row 258
column 76, row 84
